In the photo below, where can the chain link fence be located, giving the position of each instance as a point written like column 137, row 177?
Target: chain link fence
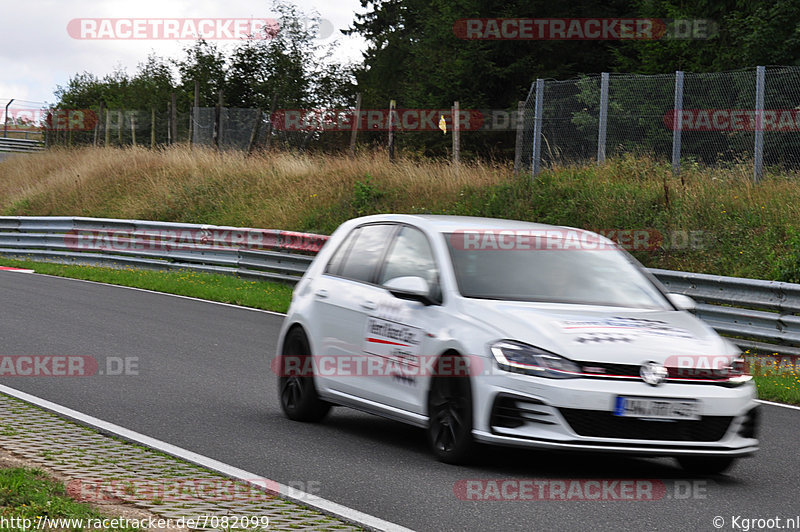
column 20, row 119
column 227, row 128
column 718, row 119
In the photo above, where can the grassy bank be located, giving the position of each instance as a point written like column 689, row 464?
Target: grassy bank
column 709, row 220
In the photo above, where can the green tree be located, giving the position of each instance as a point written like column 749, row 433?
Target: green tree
column 741, row 34
column 415, row 57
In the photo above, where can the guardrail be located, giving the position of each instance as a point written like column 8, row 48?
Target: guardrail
column 247, row 252
column 20, row 145
column 757, row 315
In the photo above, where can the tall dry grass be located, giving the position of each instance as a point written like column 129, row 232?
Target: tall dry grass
column 178, row 183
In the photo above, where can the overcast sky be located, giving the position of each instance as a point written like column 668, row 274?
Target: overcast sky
column 38, row 52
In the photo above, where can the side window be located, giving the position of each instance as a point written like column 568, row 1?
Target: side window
column 365, row 252
column 411, row 255
column 335, row 264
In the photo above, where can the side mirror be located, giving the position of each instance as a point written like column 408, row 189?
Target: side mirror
column 682, row 302
column 410, row 287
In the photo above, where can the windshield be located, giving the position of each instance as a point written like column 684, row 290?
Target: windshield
column 606, row 276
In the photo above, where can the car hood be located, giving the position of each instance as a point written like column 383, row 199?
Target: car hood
column 601, row 334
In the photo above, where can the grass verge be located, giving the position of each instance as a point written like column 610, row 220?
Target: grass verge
column 779, row 388
column 28, row 495
column 263, row 295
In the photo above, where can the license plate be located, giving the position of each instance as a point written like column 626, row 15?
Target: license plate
column 657, row 408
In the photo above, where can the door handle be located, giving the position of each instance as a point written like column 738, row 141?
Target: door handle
column 322, row 293
column 369, row 305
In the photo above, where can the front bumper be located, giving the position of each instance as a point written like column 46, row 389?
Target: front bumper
column 577, row 414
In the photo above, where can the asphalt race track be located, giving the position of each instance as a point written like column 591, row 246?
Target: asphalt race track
column 204, row 383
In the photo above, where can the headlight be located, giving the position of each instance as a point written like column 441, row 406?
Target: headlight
column 522, row 358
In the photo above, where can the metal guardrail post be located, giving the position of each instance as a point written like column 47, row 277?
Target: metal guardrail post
column 677, row 123
column 758, row 153
column 537, row 129
column 5, row 121
column 603, row 119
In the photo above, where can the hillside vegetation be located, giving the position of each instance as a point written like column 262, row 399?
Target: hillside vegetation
column 709, row 220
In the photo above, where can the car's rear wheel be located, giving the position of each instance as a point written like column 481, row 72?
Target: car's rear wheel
column 298, row 395
column 450, row 413
column 711, row 465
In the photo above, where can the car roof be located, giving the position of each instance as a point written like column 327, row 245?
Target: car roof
column 449, row 224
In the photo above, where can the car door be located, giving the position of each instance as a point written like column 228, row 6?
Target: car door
column 343, row 293
column 397, row 334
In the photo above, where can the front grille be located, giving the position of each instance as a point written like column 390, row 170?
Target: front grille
column 601, row 424
column 511, row 412
column 616, row 370
column 602, row 369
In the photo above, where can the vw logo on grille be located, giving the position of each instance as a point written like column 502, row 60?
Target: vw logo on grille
column 653, row 373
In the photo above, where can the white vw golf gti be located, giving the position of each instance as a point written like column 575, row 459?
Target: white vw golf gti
column 511, row 333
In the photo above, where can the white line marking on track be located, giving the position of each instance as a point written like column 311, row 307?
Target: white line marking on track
column 793, row 407
column 300, row 497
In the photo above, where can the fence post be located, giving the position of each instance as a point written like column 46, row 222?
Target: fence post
column 254, row 133
column 5, row 121
column 356, row 124
column 152, row 126
column 758, row 152
column 601, row 130
column 392, row 104
column 107, row 130
column 97, row 124
column 193, row 126
column 55, row 127
column 520, row 131
column 133, row 127
column 218, row 121
column 269, row 122
column 456, row 133
column 537, row 129
column 677, row 123
column 173, row 118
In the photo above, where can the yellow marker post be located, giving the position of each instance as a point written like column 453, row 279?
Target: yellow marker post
column 443, row 125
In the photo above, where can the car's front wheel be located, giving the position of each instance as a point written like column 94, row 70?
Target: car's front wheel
column 702, row 465
column 450, row 413
column 298, row 395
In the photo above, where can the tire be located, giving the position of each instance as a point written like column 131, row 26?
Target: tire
column 297, row 393
column 450, row 415
column 711, row 465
